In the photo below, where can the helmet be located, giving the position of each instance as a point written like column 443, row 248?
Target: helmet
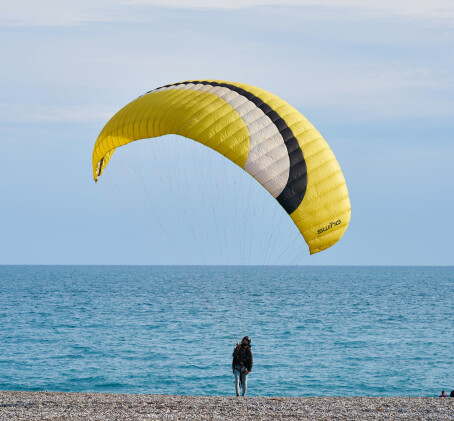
column 246, row 339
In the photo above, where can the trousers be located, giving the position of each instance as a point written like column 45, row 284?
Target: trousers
column 240, row 372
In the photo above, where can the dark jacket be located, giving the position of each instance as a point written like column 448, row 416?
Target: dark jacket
column 242, row 357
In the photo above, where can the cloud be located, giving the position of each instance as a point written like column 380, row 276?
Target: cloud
column 31, row 113
column 421, row 8
column 73, row 12
column 348, row 67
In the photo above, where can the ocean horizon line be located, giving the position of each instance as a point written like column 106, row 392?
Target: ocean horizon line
column 214, row 265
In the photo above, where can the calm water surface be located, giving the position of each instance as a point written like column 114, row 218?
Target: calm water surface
column 147, row 329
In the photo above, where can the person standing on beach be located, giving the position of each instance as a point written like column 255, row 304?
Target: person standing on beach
column 242, row 364
column 443, row 394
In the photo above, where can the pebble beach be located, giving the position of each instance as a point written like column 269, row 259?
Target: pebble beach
column 105, row 406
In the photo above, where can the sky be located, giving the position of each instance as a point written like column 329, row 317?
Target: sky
column 376, row 78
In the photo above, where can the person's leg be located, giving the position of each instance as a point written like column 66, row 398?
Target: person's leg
column 244, row 380
column 237, row 381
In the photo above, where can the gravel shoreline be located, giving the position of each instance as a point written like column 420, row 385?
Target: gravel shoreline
column 106, row 406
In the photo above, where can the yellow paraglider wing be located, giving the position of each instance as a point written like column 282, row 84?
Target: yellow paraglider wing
column 256, row 130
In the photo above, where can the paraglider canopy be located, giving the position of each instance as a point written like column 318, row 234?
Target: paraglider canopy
column 256, row 130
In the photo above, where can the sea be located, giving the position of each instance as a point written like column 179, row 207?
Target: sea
column 315, row 331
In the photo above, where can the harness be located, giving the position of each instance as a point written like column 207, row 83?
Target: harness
column 241, row 356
